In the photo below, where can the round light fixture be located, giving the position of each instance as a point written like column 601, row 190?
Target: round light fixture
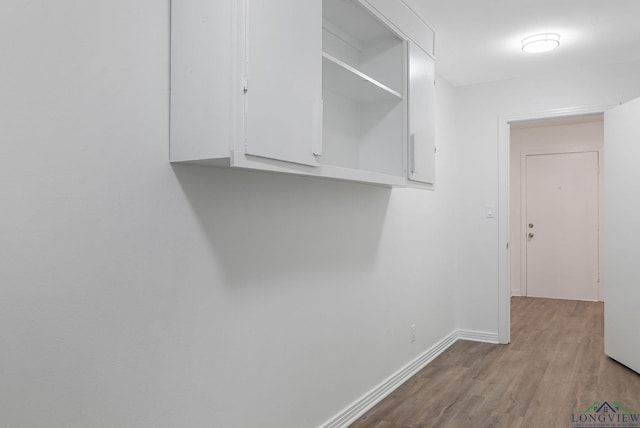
column 541, row 42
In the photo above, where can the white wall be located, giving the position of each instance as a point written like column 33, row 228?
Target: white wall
column 137, row 294
column 478, row 110
column 538, row 139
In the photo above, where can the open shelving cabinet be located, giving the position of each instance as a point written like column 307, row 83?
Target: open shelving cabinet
column 363, row 90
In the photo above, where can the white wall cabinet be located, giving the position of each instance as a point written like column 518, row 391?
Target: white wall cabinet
column 332, row 88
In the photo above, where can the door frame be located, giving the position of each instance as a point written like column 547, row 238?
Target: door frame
column 504, row 121
column 523, row 208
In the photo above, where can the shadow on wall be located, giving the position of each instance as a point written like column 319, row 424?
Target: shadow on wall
column 266, row 226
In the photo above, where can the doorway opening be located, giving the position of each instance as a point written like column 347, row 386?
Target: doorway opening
column 560, row 117
column 555, row 194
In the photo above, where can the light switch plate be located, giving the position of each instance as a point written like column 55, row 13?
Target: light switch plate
column 491, row 211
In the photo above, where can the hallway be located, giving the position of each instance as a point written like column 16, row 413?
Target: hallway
column 554, row 367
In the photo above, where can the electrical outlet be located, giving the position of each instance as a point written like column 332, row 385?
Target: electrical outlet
column 412, row 335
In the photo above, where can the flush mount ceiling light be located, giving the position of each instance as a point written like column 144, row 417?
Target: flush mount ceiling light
column 541, row 42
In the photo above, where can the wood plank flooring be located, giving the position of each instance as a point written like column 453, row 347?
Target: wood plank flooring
column 554, row 366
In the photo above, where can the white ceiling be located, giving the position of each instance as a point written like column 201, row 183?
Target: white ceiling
column 479, row 40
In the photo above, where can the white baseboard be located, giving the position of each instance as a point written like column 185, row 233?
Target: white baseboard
column 516, row 292
column 373, row 397
column 478, row 336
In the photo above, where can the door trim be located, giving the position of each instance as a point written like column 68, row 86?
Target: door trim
column 504, row 121
column 523, row 209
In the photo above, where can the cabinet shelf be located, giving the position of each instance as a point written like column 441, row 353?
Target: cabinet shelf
column 341, row 78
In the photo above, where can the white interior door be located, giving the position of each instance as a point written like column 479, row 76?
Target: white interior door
column 562, row 226
column 621, row 238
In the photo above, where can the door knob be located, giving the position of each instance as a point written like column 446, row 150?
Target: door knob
column 530, row 234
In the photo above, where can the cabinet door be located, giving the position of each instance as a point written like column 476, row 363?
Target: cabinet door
column 421, row 115
column 283, row 73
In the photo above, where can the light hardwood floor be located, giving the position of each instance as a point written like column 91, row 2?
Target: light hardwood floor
column 554, row 366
